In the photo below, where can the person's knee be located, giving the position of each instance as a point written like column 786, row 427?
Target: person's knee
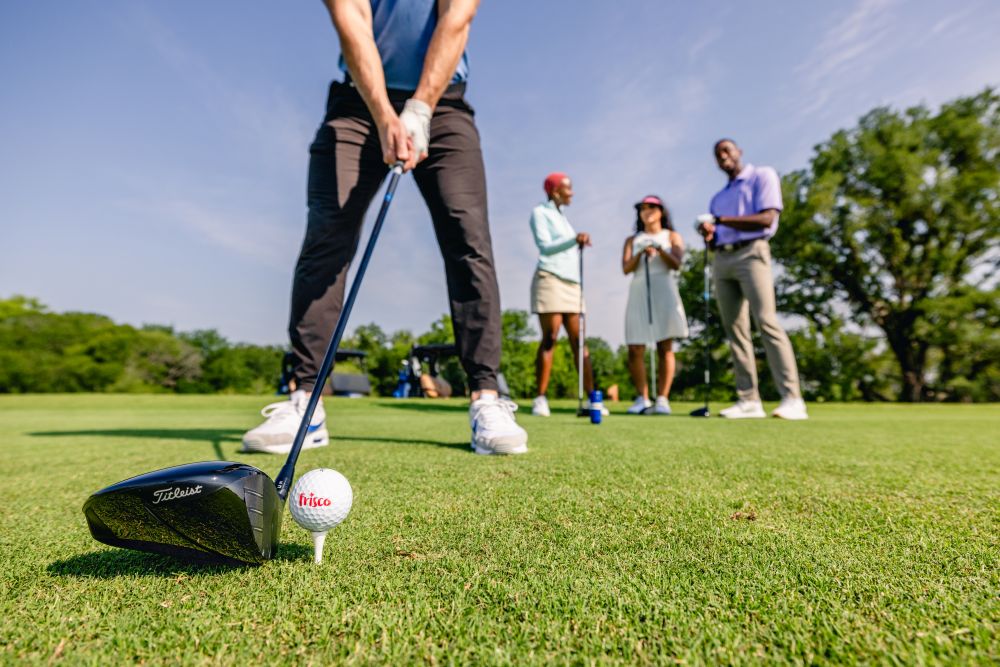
column 549, row 341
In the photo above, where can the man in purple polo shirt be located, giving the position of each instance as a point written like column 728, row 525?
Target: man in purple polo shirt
column 744, row 215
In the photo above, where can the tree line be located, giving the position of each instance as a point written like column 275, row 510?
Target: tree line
column 888, row 253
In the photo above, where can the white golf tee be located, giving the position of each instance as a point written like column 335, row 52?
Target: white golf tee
column 319, row 538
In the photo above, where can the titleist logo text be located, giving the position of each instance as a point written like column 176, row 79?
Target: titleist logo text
column 173, row 493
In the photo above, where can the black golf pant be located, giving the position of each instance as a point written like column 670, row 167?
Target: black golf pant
column 345, row 172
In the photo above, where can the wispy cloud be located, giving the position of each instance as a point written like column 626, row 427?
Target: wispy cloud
column 703, row 42
column 235, row 230
column 845, row 48
column 260, row 111
column 952, row 20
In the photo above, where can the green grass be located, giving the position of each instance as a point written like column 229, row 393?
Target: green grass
column 868, row 534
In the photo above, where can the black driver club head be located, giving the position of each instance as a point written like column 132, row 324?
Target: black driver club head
column 701, row 412
column 218, row 510
column 215, row 511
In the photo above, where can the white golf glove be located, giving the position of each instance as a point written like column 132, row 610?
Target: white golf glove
column 416, row 118
column 705, row 218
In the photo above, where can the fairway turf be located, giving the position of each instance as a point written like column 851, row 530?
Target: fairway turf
column 870, row 533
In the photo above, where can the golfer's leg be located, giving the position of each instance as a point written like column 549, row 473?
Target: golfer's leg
column 757, row 282
column 345, row 171
column 668, row 364
column 550, row 324
column 733, row 312
column 637, row 369
column 452, row 181
column 572, row 323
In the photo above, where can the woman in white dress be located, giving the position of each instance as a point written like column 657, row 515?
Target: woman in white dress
column 655, row 315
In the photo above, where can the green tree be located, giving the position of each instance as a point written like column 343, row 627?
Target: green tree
column 898, row 219
column 517, row 352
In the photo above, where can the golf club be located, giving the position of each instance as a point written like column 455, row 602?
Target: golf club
column 580, row 412
column 217, row 511
column 706, row 297
column 649, row 310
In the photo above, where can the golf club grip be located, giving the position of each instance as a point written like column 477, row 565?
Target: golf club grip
column 284, row 480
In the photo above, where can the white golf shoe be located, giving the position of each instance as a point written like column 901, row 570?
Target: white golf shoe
column 662, row 406
column 276, row 434
column 744, row 410
column 791, row 408
column 640, row 406
column 540, row 407
column 494, row 430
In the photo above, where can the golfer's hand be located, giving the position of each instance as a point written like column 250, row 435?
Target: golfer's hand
column 583, row 239
column 652, row 251
column 706, row 226
column 416, row 118
column 396, row 144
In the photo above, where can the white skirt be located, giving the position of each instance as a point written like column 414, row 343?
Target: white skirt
column 669, row 318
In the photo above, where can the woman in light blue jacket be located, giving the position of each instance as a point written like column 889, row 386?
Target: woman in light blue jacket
column 556, row 294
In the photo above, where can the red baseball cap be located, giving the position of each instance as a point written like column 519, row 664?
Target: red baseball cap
column 553, row 181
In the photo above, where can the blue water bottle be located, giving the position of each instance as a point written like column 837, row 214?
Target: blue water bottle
column 595, row 406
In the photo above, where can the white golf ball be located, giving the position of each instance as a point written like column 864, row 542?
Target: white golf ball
column 321, row 499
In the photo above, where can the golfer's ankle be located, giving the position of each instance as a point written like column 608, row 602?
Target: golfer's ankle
column 479, row 393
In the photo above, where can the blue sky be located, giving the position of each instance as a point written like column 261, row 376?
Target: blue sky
column 154, row 154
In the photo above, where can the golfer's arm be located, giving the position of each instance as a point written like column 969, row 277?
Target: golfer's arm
column 446, row 48
column 675, row 255
column 543, row 239
column 750, row 223
column 629, row 262
column 353, row 21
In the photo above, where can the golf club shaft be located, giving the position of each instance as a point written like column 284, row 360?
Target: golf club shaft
column 580, row 338
column 284, row 479
column 707, row 295
column 649, row 312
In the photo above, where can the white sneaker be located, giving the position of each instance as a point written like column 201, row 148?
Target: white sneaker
column 494, row 430
column 276, row 434
column 604, row 409
column 744, row 410
column 662, row 406
column 791, row 408
column 640, row 406
column 540, row 407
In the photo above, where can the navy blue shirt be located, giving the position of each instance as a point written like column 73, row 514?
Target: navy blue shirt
column 403, row 30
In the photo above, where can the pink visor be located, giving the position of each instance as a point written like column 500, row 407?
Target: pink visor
column 651, row 199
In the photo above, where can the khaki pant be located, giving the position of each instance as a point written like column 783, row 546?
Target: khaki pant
column 744, row 286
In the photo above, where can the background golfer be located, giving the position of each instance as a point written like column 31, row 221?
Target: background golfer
column 556, row 292
column 402, row 99
column 746, row 214
column 654, row 313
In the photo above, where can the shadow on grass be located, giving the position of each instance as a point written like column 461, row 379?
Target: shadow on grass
column 400, row 441
column 214, row 436
column 425, row 405
column 112, row 563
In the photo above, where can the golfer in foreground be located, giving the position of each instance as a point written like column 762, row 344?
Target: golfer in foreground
column 401, row 100
column 654, row 313
column 745, row 215
column 556, row 289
